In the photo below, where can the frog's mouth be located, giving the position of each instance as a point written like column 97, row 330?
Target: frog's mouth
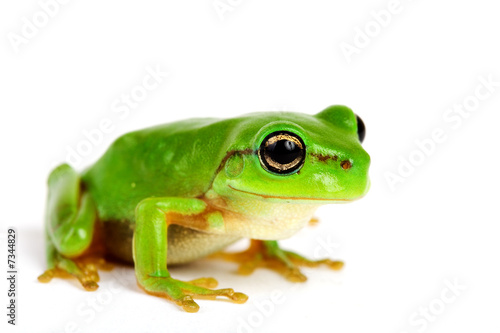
column 267, row 196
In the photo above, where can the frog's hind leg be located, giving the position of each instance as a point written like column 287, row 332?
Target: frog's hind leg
column 269, row 255
column 83, row 268
column 70, row 222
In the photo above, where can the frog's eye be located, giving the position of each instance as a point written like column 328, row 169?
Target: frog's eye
column 282, row 152
column 361, row 129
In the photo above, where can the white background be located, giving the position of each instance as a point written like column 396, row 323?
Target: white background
column 401, row 245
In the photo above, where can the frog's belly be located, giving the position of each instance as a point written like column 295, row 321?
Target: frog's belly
column 184, row 245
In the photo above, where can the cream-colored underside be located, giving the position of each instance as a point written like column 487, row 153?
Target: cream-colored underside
column 255, row 219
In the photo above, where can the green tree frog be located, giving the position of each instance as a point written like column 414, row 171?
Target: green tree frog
column 178, row 192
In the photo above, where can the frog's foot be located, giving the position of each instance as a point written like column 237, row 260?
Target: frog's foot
column 313, row 222
column 301, row 261
column 84, row 269
column 267, row 254
column 182, row 293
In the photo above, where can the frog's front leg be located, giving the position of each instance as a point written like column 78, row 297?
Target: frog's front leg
column 268, row 254
column 153, row 216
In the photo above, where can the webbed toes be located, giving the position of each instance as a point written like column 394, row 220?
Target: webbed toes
column 295, row 275
column 272, row 257
column 188, row 304
column 84, row 269
column 183, row 293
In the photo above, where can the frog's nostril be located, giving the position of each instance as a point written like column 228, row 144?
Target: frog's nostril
column 346, row 164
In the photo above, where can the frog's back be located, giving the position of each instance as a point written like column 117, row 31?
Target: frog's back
column 176, row 159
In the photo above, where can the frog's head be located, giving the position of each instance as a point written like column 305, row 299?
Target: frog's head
column 294, row 157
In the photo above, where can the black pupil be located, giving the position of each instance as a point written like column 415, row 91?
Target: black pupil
column 283, row 151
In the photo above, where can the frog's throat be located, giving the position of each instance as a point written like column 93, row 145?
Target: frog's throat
column 266, row 196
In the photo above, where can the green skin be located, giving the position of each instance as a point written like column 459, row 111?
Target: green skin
column 204, row 178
